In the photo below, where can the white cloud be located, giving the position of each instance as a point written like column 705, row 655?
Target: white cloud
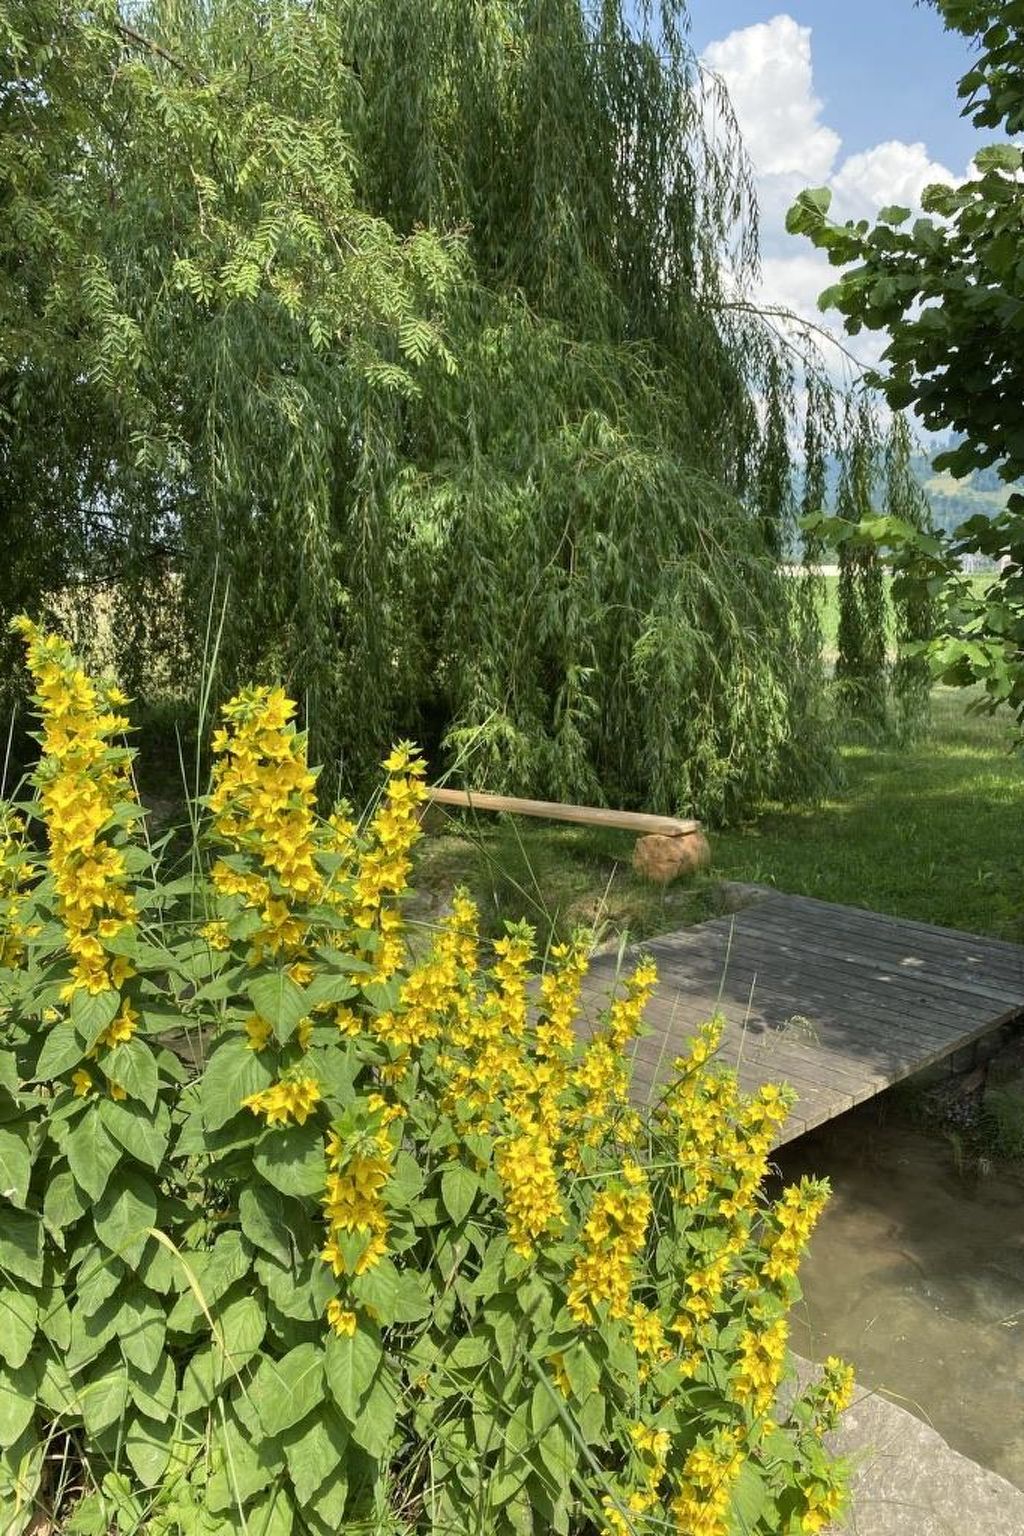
column 889, row 173
column 768, row 70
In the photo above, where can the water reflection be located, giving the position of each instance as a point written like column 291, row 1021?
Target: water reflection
column 916, row 1275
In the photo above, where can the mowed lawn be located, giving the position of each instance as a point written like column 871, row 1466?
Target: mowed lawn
column 933, row 830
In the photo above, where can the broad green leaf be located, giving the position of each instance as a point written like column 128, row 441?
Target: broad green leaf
column 414, row 1299
column 141, row 1329
column 92, row 1012
column 19, row 1314
column 300, row 1291
column 245, row 1463
column 17, row 1402
column 92, row 1154
column 9, row 1073
column 141, row 1132
column 272, row 1514
column 125, row 1213
column 63, row 1203
column 232, row 1074
column 351, row 1364
column 291, row 1158
column 104, row 1396
column 328, row 989
column 15, row 1165
column 147, row 1444
column 154, row 1393
column 56, row 1391
column 332, row 1496
column 133, row 1066
column 62, row 1050
column 261, row 1212
column 375, row 1424
column 96, row 1279
column 377, row 1290
column 286, row 1390
column 213, row 1272
column 313, row 1449
column 280, row 1001
column 21, row 1246
column 458, row 1190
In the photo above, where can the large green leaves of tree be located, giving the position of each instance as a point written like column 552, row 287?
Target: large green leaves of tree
column 948, row 287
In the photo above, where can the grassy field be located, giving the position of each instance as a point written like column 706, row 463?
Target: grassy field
column 933, row 831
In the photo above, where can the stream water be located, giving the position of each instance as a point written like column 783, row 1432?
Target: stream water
column 916, row 1276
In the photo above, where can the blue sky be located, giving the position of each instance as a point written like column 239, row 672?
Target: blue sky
column 885, row 69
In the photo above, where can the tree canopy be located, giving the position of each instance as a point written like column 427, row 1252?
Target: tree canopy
column 948, row 287
column 433, row 390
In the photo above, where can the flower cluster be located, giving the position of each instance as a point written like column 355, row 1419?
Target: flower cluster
column 702, row 1502
column 359, row 1165
column 293, row 1098
column 18, row 871
column 533, row 1201
column 85, row 795
column 613, row 1235
column 794, row 1217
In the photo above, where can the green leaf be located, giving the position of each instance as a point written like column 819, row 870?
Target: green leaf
column 104, row 1397
column 142, row 1134
column 261, row 1212
column 328, row 989
column 15, row 1165
column 313, row 1449
column 332, row 1496
column 809, row 211
column 458, row 1190
column 62, row 1050
column 247, row 1463
column 19, row 1313
column 351, row 1364
column 232, row 1073
column 21, row 1246
column 280, row 1001
column 92, row 1013
column 286, row 1390
column 96, row 1279
column 272, row 1514
column 9, row 1073
column 375, row 1425
column 291, row 1158
column 133, row 1066
column 154, row 1394
column 92, row 1154
column 18, row 1389
column 1000, row 157
column 377, row 1290
column 125, row 1213
column 141, row 1330
column 63, row 1203
column 147, row 1444
column 214, row 1272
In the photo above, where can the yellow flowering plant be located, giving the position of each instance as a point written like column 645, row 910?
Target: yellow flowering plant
column 316, row 1218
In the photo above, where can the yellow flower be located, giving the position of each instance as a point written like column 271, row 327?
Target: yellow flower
column 117, row 1092
column 258, row 1031
column 82, row 1083
column 342, row 1321
column 526, row 1167
column 292, row 1099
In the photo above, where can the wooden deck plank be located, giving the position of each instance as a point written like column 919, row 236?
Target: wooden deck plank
column 881, row 999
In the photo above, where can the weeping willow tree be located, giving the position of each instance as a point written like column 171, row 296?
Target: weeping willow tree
column 408, row 338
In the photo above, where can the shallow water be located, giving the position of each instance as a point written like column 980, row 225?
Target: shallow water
column 916, row 1275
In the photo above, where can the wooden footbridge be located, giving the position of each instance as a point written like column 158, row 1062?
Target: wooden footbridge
column 839, row 1003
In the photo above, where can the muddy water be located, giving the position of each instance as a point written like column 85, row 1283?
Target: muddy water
column 916, row 1275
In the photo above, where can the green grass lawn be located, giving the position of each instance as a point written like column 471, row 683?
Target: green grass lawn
column 933, row 830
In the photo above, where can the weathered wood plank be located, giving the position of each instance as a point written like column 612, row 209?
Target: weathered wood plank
column 883, row 999
column 552, row 810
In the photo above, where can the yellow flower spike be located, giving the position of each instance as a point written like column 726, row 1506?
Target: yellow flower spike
column 533, row 1203
column 291, row 1099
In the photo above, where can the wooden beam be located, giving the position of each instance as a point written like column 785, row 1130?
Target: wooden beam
column 552, row 810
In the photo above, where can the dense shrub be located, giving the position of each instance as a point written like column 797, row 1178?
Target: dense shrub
column 307, row 1223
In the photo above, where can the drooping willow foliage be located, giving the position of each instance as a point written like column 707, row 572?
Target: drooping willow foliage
column 407, row 340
